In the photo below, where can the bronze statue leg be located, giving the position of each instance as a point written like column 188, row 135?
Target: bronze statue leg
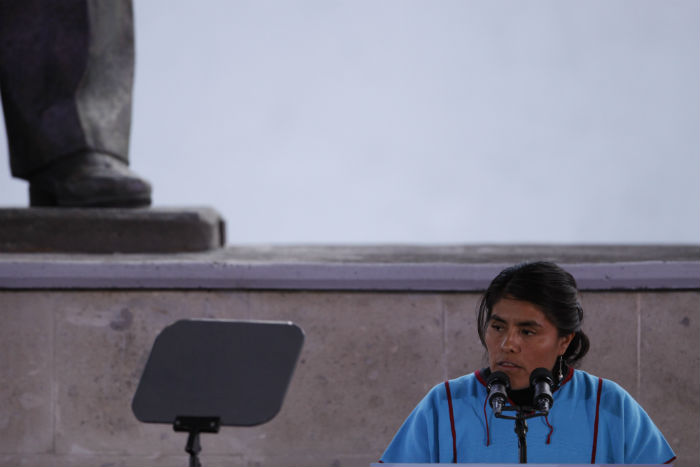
column 66, row 75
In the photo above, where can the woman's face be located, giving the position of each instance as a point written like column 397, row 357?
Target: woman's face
column 520, row 338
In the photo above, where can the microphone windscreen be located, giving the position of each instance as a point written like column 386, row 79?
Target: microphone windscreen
column 498, row 377
column 541, row 374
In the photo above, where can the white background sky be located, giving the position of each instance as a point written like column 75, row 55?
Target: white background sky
column 362, row 121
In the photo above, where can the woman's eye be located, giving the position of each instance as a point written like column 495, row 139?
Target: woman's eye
column 528, row 332
column 497, row 327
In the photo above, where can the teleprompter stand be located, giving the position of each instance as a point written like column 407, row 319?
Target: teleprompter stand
column 204, row 374
column 194, row 426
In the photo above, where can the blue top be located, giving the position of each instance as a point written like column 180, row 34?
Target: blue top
column 593, row 420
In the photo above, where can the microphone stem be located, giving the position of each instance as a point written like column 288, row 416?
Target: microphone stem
column 521, row 431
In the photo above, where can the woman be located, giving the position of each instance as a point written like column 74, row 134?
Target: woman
column 530, row 318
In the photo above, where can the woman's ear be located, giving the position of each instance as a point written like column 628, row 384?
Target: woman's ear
column 564, row 342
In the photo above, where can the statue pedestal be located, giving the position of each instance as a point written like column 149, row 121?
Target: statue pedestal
column 110, row 230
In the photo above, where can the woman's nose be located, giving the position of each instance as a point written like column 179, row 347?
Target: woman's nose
column 511, row 342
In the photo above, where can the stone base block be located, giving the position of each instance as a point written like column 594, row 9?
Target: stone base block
column 110, row 230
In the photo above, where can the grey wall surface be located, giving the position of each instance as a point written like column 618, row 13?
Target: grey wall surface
column 419, row 121
column 70, row 362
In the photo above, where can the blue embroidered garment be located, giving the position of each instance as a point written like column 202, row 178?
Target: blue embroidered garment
column 593, row 420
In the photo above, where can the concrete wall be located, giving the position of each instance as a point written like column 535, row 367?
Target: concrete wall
column 70, row 362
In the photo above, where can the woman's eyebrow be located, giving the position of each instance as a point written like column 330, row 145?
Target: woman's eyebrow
column 521, row 324
column 524, row 324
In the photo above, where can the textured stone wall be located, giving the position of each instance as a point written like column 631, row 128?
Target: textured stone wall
column 70, row 362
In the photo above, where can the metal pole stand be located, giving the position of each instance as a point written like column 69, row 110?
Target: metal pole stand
column 521, row 431
column 521, row 417
column 194, row 426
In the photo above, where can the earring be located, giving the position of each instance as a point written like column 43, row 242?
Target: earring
column 561, row 374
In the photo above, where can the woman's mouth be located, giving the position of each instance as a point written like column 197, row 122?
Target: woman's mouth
column 507, row 364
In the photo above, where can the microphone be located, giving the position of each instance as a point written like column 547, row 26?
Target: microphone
column 498, row 384
column 541, row 380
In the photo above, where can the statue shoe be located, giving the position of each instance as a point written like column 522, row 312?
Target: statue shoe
column 88, row 179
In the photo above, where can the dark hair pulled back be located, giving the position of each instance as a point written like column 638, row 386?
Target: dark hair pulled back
column 548, row 287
